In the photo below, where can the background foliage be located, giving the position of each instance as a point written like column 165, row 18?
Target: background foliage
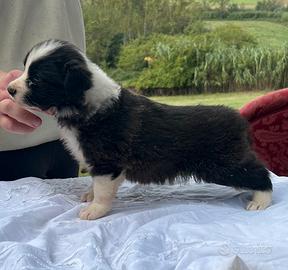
column 189, row 46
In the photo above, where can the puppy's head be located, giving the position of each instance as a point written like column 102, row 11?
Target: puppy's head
column 56, row 77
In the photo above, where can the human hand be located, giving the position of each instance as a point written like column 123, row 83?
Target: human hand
column 13, row 117
column 2, row 75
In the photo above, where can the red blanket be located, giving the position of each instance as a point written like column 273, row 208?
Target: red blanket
column 268, row 118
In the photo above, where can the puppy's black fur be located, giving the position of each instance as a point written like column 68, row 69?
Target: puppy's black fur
column 150, row 142
column 62, row 77
column 155, row 143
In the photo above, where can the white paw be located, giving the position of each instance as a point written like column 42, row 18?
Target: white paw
column 94, row 211
column 256, row 206
column 261, row 200
column 88, row 196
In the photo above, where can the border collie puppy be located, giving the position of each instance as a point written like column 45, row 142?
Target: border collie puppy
column 118, row 134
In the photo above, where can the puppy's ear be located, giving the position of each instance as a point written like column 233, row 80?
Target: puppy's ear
column 77, row 77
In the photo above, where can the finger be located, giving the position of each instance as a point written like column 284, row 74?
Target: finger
column 11, row 76
column 15, row 73
column 2, row 75
column 4, row 95
column 10, row 108
column 11, row 125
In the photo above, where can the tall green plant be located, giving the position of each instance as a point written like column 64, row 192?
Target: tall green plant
column 207, row 65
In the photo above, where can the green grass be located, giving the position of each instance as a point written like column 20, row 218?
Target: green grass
column 268, row 34
column 235, row 100
column 246, row 3
column 252, row 3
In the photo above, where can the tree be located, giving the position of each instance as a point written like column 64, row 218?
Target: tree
column 104, row 19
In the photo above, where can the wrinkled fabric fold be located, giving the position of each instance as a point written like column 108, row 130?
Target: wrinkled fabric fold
column 191, row 226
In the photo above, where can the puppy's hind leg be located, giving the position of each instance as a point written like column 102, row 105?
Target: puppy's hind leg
column 252, row 175
column 105, row 189
column 260, row 200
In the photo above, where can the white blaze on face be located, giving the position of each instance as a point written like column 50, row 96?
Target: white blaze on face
column 42, row 50
column 20, row 84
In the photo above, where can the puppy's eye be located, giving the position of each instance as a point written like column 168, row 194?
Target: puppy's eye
column 29, row 82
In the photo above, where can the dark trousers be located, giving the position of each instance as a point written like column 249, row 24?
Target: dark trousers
column 48, row 160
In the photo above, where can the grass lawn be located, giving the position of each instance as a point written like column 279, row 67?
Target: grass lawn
column 252, row 3
column 245, row 3
column 235, row 100
column 268, row 34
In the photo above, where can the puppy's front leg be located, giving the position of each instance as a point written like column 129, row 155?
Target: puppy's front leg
column 88, row 196
column 105, row 190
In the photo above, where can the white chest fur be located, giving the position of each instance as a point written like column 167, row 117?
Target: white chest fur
column 70, row 138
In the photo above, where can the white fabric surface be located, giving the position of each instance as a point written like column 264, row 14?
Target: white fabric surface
column 193, row 226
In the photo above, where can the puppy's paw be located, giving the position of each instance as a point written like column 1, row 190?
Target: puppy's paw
column 94, row 211
column 261, row 200
column 88, row 196
column 254, row 205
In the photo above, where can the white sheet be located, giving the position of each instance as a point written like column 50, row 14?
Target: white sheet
column 169, row 227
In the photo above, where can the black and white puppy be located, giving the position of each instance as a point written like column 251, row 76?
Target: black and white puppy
column 119, row 135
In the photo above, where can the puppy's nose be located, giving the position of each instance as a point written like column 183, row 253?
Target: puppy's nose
column 11, row 91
